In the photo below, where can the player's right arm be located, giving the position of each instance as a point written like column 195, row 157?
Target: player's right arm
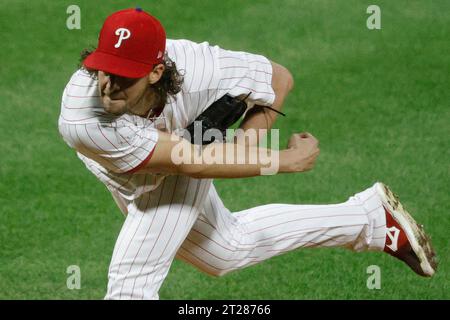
column 228, row 160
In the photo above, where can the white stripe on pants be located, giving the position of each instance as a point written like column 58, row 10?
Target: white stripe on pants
column 220, row 241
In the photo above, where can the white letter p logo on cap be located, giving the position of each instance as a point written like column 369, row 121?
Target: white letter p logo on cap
column 123, row 35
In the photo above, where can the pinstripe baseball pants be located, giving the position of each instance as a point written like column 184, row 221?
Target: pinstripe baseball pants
column 185, row 218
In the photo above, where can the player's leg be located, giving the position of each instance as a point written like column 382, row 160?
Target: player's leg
column 155, row 227
column 220, row 241
column 121, row 202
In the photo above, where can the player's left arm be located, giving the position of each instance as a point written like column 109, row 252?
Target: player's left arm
column 260, row 117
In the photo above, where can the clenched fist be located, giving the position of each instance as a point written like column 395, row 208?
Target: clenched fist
column 301, row 154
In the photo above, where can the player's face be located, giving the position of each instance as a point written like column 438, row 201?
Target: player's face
column 119, row 94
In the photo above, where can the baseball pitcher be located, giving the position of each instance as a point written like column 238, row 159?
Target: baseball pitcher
column 123, row 112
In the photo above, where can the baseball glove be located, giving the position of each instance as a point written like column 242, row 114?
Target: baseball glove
column 220, row 115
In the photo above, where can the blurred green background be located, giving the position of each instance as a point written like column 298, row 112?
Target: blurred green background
column 378, row 100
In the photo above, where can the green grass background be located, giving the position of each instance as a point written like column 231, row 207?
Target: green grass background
column 377, row 100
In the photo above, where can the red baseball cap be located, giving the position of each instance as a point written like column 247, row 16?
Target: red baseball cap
column 131, row 42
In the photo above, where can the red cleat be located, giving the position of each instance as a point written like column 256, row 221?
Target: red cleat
column 405, row 238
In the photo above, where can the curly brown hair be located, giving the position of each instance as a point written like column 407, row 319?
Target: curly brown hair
column 168, row 86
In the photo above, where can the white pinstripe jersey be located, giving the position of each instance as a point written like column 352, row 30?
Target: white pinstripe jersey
column 112, row 146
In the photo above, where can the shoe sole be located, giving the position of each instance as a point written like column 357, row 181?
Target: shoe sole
column 419, row 241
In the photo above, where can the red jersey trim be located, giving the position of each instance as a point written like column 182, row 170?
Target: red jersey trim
column 142, row 164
